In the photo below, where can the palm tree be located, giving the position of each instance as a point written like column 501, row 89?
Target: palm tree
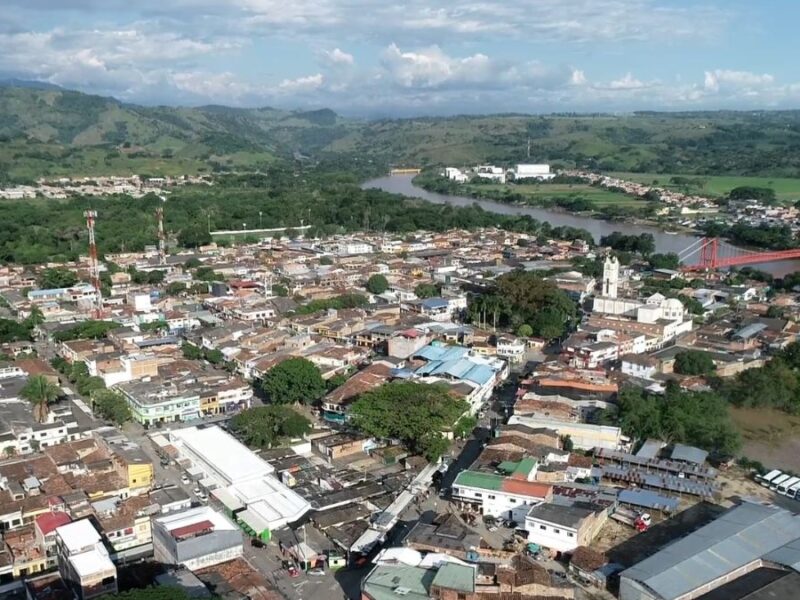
column 40, row 392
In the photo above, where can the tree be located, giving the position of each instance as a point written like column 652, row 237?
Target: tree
column 111, row 405
column 377, row 284
column 694, row 362
column 155, row 277
column 426, row 290
column 325, row 260
column 175, row 288
column 549, row 323
column 151, row 593
column 264, row 426
column 194, row 236
column 206, row 274
column 566, row 443
column 57, row 278
column 464, row 426
column 336, row 381
column 427, row 410
column 191, row 352
column 215, row 357
column 664, row 261
column 280, row 290
column 295, row 380
column 192, row 263
column 40, row 392
column 525, row 330
column 87, row 385
column 35, row 318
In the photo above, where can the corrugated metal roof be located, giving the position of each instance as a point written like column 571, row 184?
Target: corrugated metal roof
column 740, row 536
column 455, row 577
column 648, row 499
column 689, row 454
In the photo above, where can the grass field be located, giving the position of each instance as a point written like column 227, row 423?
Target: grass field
column 770, row 436
column 786, row 188
column 598, row 196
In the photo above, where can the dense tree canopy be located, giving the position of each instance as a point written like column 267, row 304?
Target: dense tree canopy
column 295, row 380
column 415, row 413
column 86, row 330
column 694, row 362
column 57, row 278
column 643, row 243
column 377, row 284
column 522, row 297
column 111, row 405
column 265, row 426
column 697, row 418
column 426, row 290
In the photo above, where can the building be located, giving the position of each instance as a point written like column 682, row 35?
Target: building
column 584, row 436
column 541, row 172
column 498, row 496
column 241, row 481
column 83, row 560
column 564, row 528
column 196, row 538
column 511, row 348
column 735, row 547
column 456, row 175
column 610, row 277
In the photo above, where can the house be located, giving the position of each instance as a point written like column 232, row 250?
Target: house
column 504, row 497
column 196, row 538
column 564, row 528
column 83, row 560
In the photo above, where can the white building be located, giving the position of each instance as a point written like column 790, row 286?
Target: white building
column 490, row 172
column 610, row 277
column 456, row 175
column 498, row 496
column 196, row 538
column 511, row 348
column 83, row 560
column 528, row 171
column 563, row 528
column 242, row 481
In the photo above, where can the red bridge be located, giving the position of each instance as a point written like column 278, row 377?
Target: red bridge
column 715, row 254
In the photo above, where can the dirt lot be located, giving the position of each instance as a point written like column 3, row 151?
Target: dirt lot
column 623, row 545
column 770, row 436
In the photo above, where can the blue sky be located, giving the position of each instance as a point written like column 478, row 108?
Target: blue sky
column 378, row 58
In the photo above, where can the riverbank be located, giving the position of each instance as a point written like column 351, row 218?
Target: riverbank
column 581, row 199
column 665, row 241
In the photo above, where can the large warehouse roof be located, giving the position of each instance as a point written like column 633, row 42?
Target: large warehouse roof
column 742, row 535
column 224, row 453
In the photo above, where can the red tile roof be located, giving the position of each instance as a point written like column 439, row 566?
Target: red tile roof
column 527, row 488
column 188, row 530
column 48, row 522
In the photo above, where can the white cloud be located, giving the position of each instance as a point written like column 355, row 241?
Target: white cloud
column 301, row 85
column 627, row 82
column 339, row 57
column 722, row 78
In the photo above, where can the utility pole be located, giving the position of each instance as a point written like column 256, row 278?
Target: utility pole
column 94, row 265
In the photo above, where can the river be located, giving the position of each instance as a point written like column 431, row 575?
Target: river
column 665, row 242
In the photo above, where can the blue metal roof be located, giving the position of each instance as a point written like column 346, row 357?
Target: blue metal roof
column 434, row 303
column 444, row 353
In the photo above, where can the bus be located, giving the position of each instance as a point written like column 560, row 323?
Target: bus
column 765, row 479
column 793, row 491
column 787, row 485
column 773, row 485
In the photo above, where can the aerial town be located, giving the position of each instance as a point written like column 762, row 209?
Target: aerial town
column 141, row 454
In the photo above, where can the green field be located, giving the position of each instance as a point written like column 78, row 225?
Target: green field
column 787, row 189
column 599, row 197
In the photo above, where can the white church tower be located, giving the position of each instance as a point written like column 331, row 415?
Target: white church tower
column 610, row 277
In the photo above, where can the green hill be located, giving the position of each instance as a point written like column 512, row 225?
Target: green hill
column 52, row 132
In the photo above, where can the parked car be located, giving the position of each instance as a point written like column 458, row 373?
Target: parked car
column 317, row 571
column 509, row 524
column 293, row 572
column 185, row 479
column 196, row 491
column 257, row 543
